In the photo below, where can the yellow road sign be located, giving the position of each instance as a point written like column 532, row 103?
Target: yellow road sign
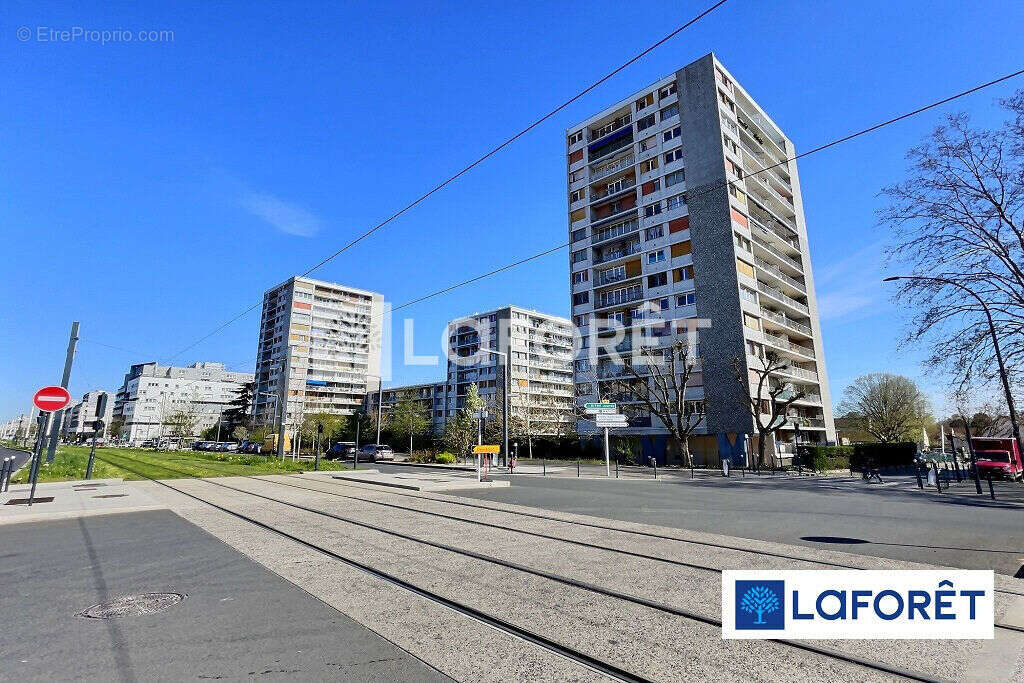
column 487, row 449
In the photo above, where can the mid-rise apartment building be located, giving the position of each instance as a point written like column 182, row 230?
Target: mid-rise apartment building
column 670, row 219
column 325, row 338
column 539, row 348
column 79, row 418
column 432, row 396
column 152, row 394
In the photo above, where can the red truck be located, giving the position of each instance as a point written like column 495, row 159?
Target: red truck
column 998, row 457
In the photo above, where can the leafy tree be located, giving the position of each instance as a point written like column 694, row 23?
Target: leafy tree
column 115, row 427
column 409, row 417
column 768, row 398
column 240, row 433
column 889, row 407
column 181, row 423
column 460, row 430
column 334, row 426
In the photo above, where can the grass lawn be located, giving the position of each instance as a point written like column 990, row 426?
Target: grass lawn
column 134, row 463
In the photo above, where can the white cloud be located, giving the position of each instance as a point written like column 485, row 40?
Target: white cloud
column 286, row 217
column 851, row 284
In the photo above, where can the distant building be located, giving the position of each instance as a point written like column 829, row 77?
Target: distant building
column 152, row 393
column 79, row 418
column 540, row 347
column 329, row 337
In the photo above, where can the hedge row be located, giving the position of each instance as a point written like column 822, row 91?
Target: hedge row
column 881, row 455
column 821, row 458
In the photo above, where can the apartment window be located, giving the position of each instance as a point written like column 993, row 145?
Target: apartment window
column 723, row 78
column 580, row 298
column 648, row 143
column 736, row 170
column 577, row 175
column 581, row 276
column 576, row 156
column 688, row 299
column 576, row 137
column 670, row 135
column 738, row 194
column 577, row 215
column 742, row 242
column 656, row 256
column 731, row 146
column 663, row 304
column 727, row 102
column 645, row 123
column 581, row 320
column 669, row 89
column 579, row 256
column 652, row 209
column 684, row 274
column 650, row 187
column 744, row 268
column 675, row 177
column 657, row 280
column 755, row 349
column 681, row 248
column 583, row 365
column 655, row 232
column 645, row 101
column 751, row 321
column 675, row 202
column 649, row 165
column 578, row 235
column 577, row 195
column 674, row 155
column 670, row 111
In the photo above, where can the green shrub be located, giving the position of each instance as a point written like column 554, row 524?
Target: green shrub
column 445, row 458
column 820, row 458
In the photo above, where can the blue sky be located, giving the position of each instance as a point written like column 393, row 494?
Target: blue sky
column 154, row 190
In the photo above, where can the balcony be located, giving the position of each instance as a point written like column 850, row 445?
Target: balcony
column 614, row 189
column 794, row 371
column 784, row 298
column 610, row 128
column 780, row 274
column 619, row 296
column 607, row 256
column 783, row 343
column 784, row 320
column 599, row 173
column 786, row 229
column 775, row 251
column 610, row 276
column 615, row 231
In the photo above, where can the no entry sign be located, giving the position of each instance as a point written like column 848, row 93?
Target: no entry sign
column 49, row 399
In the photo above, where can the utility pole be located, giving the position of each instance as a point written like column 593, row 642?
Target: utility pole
column 56, row 422
column 380, row 403
column 283, row 407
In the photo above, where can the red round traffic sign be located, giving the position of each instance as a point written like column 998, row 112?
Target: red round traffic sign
column 49, row 399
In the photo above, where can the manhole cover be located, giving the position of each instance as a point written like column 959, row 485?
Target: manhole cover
column 132, row 605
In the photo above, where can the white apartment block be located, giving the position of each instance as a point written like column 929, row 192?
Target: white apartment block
column 327, row 338
column 669, row 219
column 79, row 418
column 152, row 393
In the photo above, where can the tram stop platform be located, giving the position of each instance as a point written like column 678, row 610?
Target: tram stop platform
column 71, row 499
column 419, row 481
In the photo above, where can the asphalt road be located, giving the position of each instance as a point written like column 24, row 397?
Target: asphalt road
column 20, row 457
column 893, row 520
column 239, row 620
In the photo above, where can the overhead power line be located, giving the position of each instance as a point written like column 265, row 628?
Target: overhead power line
column 466, row 169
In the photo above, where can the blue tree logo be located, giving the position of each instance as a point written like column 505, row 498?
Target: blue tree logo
column 760, row 605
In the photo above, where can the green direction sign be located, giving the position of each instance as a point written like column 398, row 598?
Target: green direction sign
column 599, row 406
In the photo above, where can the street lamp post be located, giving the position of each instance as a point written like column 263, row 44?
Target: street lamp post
column 507, row 389
column 995, row 343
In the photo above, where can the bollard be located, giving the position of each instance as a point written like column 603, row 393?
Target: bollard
column 577, row 467
column 616, row 466
column 691, row 470
column 545, row 465
column 917, row 473
column 3, row 474
column 991, row 490
column 956, row 468
column 938, row 482
column 655, row 467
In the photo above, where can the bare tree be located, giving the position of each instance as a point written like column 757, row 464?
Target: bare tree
column 888, row 407
column 960, row 217
column 768, row 398
column 659, row 384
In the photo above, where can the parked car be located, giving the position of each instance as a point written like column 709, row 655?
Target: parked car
column 149, row 443
column 341, row 450
column 999, row 458
column 376, row 451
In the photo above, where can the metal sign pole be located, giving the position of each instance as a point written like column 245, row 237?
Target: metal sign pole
column 37, row 457
column 65, row 379
column 607, row 457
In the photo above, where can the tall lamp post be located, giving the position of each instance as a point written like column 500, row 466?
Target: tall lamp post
column 995, row 342
column 507, row 389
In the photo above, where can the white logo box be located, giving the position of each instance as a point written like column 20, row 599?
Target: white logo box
column 948, row 594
